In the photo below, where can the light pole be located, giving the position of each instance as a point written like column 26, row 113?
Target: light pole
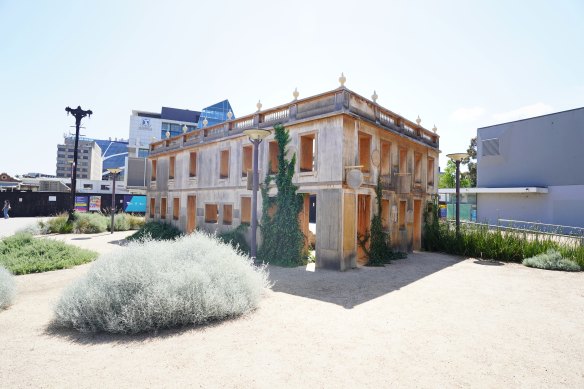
column 457, row 158
column 255, row 137
column 78, row 114
column 113, row 173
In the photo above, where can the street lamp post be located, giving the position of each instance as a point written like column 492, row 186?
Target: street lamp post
column 78, row 114
column 457, row 158
column 113, row 173
column 255, row 137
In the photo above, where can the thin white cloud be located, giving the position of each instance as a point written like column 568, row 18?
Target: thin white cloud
column 524, row 112
column 467, row 114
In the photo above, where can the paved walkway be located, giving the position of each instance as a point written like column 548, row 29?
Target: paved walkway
column 11, row 225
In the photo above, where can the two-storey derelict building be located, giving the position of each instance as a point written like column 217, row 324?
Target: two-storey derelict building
column 342, row 141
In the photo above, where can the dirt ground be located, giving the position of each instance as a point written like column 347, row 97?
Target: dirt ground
column 427, row 321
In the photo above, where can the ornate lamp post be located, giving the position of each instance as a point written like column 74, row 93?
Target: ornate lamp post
column 78, row 114
column 113, row 173
column 255, row 137
column 457, row 158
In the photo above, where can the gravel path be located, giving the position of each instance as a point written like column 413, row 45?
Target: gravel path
column 427, row 321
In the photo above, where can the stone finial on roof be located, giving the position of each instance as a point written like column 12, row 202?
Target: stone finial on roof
column 259, row 105
column 342, row 79
column 167, row 134
column 185, row 128
column 205, row 122
column 229, row 115
column 434, row 129
column 418, row 120
column 295, row 94
column 374, row 97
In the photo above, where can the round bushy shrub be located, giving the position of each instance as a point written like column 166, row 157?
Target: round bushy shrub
column 160, row 284
column 121, row 222
column 551, row 260
column 90, row 223
column 7, row 288
column 156, row 230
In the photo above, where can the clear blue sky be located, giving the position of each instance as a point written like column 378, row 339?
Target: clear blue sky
column 458, row 64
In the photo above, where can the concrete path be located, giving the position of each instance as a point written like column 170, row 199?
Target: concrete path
column 11, row 225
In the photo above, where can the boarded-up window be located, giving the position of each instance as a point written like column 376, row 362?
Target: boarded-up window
column 175, row 208
column 152, row 207
column 307, row 147
column 417, row 168
column 163, row 208
column 385, row 158
column 211, row 213
column 171, row 167
column 273, row 151
column 246, row 210
column 385, row 208
column 430, row 171
column 365, row 152
column 193, row 164
column 224, row 164
column 246, row 163
column 153, row 176
column 403, row 160
column 227, row 214
column 401, row 217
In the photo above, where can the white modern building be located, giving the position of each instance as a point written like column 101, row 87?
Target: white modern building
column 531, row 170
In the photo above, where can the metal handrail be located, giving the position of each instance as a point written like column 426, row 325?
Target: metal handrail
column 498, row 226
column 581, row 229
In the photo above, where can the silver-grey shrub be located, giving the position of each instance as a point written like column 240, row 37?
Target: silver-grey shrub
column 7, row 288
column 551, row 260
column 160, row 284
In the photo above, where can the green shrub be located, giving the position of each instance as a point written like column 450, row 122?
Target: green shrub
column 160, row 284
column 156, row 231
column 136, row 222
column 22, row 254
column 121, row 222
column 551, row 260
column 89, row 223
column 58, row 225
column 478, row 241
column 236, row 238
column 7, row 288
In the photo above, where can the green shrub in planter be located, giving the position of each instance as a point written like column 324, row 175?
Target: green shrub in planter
column 551, row 260
column 156, row 231
column 90, row 223
column 58, row 225
column 236, row 238
column 136, row 222
column 7, row 288
column 160, row 284
column 121, row 222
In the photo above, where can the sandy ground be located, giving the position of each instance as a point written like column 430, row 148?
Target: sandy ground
column 427, row 321
column 11, row 225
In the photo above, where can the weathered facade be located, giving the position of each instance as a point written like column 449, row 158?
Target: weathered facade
column 343, row 142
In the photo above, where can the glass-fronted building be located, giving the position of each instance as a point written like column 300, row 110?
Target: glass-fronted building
column 113, row 154
column 216, row 113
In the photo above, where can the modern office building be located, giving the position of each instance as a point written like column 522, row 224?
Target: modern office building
column 113, row 154
column 89, row 160
column 343, row 142
column 147, row 127
column 531, row 171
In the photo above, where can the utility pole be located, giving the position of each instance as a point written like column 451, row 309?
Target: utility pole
column 78, row 114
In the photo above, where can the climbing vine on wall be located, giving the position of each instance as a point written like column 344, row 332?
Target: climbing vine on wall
column 379, row 251
column 283, row 240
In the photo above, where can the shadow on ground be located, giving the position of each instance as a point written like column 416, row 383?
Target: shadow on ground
column 353, row 287
column 94, row 338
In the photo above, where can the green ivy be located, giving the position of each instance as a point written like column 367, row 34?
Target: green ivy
column 283, row 241
column 379, row 251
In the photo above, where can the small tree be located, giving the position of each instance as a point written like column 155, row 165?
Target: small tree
column 283, row 241
column 471, row 163
column 448, row 177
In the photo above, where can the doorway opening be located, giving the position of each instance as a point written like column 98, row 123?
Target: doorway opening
column 363, row 225
column 417, row 225
column 191, row 213
column 307, row 220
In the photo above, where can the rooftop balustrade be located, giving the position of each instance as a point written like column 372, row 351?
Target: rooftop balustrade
column 340, row 100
